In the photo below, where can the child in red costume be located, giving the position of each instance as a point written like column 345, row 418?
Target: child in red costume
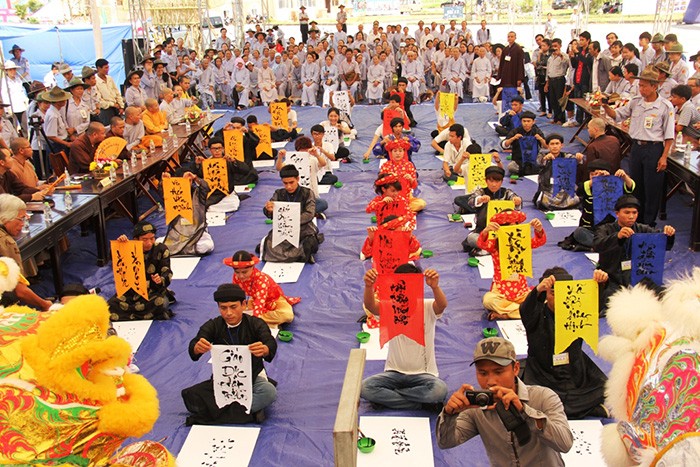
column 390, row 201
column 405, row 171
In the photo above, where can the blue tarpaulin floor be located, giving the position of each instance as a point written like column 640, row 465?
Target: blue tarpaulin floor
column 310, row 369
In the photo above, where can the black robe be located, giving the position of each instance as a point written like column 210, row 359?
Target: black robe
column 580, row 384
column 199, row 399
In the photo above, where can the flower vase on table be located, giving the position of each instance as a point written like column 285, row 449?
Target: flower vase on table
column 100, row 168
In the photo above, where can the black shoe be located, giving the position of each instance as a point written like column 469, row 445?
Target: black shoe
column 259, row 416
column 312, row 260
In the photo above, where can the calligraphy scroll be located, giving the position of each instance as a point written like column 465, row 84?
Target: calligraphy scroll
column 233, row 144
column 529, row 147
column 341, row 101
column 389, row 115
column 331, row 137
column 110, row 148
column 286, row 223
column 401, row 307
column 233, row 378
column 215, row 171
column 564, row 174
column 575, row 313
column 478, row 163
column 507, row 95
column 129, row 267
column 278, row 113
column 178, row 199
column 606, row 190
column 301, row 161
column 515, row 250
column 264, row 147
column 447, row 105
column 390, row 250
column 494, row 207
column 648, row 253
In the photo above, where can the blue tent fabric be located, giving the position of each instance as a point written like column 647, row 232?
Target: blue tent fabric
column 45, row 45
column 310, row 369
column 692, row 13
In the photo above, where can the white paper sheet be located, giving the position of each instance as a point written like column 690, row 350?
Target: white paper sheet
column 242, row 189
column 593, row 257
column 233, row 378
column 279, row 144
column 440, row 158
column 382, row 162
column 514, row 331
column 492, row 125
column 332, row 138
column 587, row 442
column 218, row 446
column 324, row 189
column 301, row 161
column 283, row 273
column 286, row 223
column 133, row 332
column 400, row 441
column 532, row 178
column 183, row 266
column 372, row 346
column 216, row 219
column 458, row 186
column 469, row 218
column 263, row 164
column 568, row 218
column 335, row 165
column 485, row 267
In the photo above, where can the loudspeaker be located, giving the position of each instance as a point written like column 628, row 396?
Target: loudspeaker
column 130, row 61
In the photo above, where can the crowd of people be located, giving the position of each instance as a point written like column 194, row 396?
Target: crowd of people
column 650, row 89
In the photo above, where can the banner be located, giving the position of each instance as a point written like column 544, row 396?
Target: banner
column 301, row 161
column 606, row 190
column 447, row 105
column 478, row 163
column 129, row 267
column 286, row 223
column 389, row 115
column 178, row 199
column 278, row 115
column 390, row 250
column 575, row 313
column 341, row 101
column 233, row 144
column 331, row 136
column 648, row 254
column 515, row 250
column 215, row 171
column 401, row 307
column 564, row 174
column 264, row 147
column 232, row 370
column 494, row 207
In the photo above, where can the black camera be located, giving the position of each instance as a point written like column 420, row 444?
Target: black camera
column 35, row 121
column 480, row 398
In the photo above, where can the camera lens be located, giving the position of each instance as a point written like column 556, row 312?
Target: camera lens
column 482, row 399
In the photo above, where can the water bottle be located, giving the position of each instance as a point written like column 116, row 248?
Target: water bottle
column 66, row 179
column 133, row 159
column 686, row 153
column 679, row 141
column 112, row 173
column 188, row 126
column 25, row 227
column 171, row 133
column 68, row 201
column 144, row 156
column 125, row 170
column 47, row 213
column 152, row 147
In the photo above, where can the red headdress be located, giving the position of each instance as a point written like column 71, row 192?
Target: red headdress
column 509, row 217
column 397, row 143
column 241, row 264
column 391, row 178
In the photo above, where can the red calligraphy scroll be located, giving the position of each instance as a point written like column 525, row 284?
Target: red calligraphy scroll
column 389, row 250
column 401, row 307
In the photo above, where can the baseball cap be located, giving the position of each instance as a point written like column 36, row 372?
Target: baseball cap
column 496, row 349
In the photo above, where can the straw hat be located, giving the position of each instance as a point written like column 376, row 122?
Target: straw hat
column 88, row 72
column 648, row 74
column 56, row 94
column 658, row 37
column 10, row 65
column 75, row 82
column 664, row 67
column 64, row 68
column 676, row 48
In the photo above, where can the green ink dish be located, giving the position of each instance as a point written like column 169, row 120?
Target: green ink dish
column 285, row 336
column 549, row 215
column 366, row 445
column 490, row 332
column 338, row 184
column 427, row 254
column 268, row 221
column 363, row 337
column 473, row 262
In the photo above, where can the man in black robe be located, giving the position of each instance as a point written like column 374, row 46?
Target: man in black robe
column 576, row 379
column 233, row 327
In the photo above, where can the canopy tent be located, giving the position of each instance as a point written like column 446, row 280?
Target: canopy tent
column 72, row 44
column 692, row 14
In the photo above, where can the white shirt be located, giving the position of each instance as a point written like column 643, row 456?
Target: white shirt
column 407, row 356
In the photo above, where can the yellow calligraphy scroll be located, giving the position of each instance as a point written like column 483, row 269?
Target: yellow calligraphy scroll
column 575, row 313
column 477, row 168
column 494, row 207
column 515, row 250
column 278, row 112
column 110, row 148
column 233, row 144
column 215, row 171
column 447, row 105
column 129, row 267
column 178, row 199
column 265, row 144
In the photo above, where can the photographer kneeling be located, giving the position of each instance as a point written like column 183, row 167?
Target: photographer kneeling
column 533, row 415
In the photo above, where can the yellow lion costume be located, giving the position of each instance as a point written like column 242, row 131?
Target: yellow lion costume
column 65, row 397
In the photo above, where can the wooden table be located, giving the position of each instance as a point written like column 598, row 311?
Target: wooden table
column 190, row 149
column 679, row 173
column 611, row 126
column 43, row 236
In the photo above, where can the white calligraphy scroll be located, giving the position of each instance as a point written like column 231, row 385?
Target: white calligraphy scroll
column 215, row 446
column 400, row 441
column 330, row 136
column 586, row 451
column 286, row 223
column 341, row 101
column 233, row 381
column 301, row 161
